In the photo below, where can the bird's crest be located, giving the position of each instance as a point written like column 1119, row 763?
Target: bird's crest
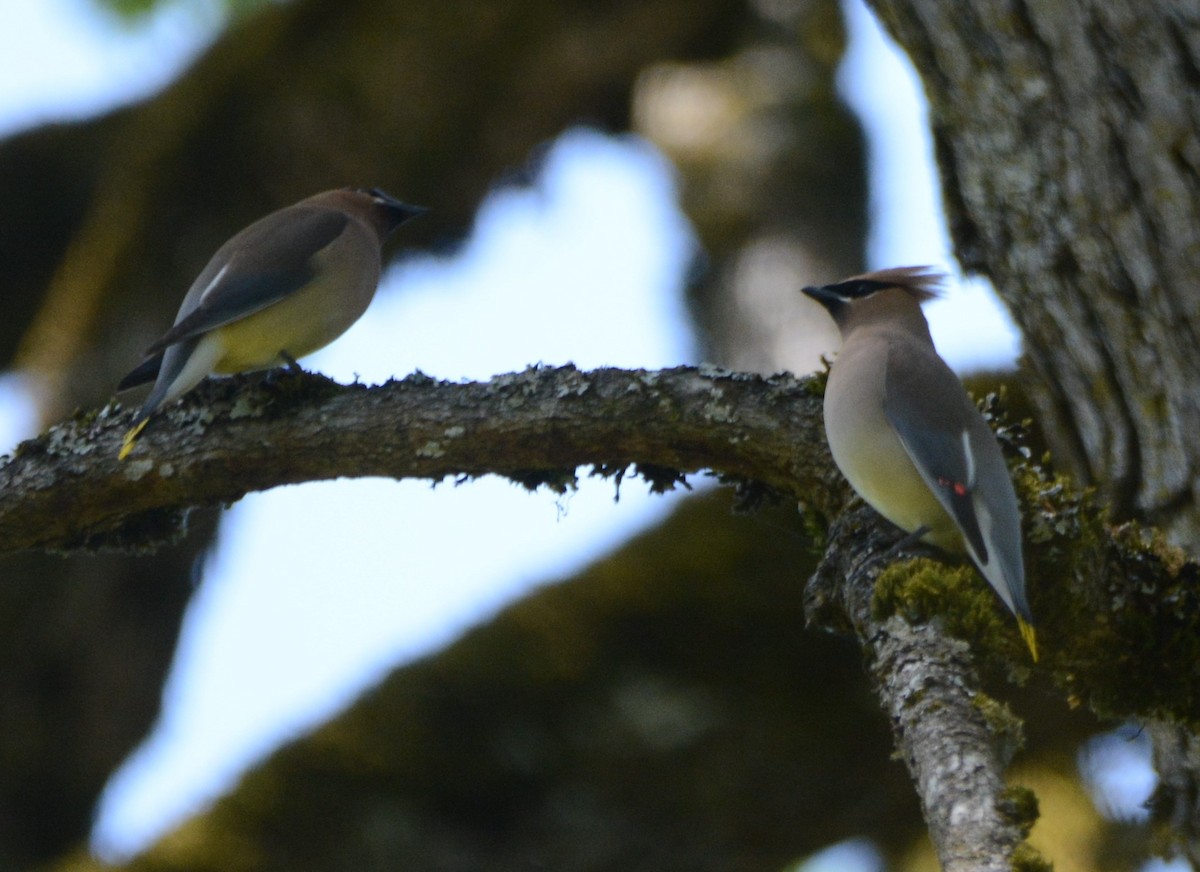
column 922, row 282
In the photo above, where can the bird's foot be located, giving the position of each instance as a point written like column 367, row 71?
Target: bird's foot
column 293, row 367
column 909, row 541
column 290, row 368
column 131, row 438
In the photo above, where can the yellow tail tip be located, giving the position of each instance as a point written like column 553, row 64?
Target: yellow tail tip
column 131, row 438
column 1029, row 635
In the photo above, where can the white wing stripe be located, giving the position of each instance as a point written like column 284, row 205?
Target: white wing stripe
column 216, row 281
column 970, row 458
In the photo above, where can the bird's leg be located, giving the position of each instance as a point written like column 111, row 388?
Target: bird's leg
column 295, row 368
column 909, row 540
column 912, row 538
column 289, row 363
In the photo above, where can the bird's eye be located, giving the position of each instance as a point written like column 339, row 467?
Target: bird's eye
column 858, row 288
column 374, row 193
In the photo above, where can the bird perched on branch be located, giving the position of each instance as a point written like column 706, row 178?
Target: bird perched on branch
column 287, row 285
column 908, row 438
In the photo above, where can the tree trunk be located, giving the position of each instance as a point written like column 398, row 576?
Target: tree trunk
column 1068, row 136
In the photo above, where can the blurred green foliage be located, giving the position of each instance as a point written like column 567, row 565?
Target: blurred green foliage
column 132, row 10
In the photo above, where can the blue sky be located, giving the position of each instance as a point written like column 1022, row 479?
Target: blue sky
column 270, row 646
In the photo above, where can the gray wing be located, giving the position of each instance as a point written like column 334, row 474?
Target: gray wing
column 274, row 258
column 146, row 371
column 927, row 405
column 955, row 451
column 959, row 458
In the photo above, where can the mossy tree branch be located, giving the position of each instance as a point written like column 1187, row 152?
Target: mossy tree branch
column 1118, row 610
column 1111, row 603
column 955, row 741
column 66, row 489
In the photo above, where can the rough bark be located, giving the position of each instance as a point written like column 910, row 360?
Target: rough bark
column 1176, row 800
column 1068, row 136
column 1134, row 604
column 67, row 489
column 955, row 741
column 538, row 426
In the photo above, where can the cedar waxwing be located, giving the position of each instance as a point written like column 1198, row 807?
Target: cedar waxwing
column 908, row 438
column 287, row 285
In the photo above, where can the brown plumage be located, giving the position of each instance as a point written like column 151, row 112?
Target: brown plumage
column 285, row 286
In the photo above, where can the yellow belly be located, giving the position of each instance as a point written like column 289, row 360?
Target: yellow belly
column 298, row 325
column 878, row 467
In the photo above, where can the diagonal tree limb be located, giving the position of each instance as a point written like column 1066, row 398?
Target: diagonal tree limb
column 955, row 741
